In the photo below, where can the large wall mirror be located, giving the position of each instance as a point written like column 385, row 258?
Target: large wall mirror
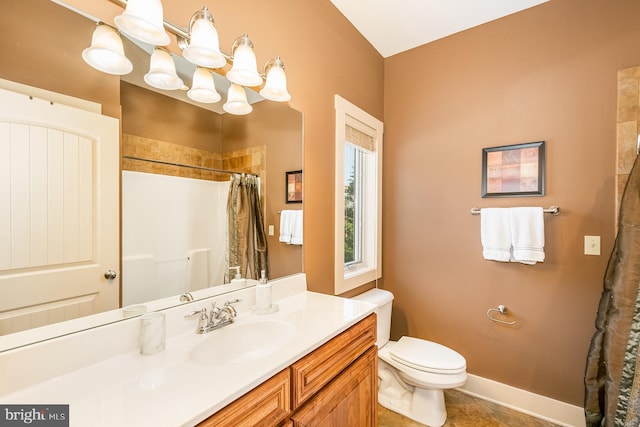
column 178, row 189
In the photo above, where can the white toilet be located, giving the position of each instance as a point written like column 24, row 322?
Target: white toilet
column 413, row 373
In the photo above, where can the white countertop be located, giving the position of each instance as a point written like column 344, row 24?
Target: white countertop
column 169, row 389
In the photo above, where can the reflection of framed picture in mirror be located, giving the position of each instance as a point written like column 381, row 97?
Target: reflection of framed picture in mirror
column 293, row 186
column 513, row 170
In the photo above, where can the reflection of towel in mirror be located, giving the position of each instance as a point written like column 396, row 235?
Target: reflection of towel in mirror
column 286, row 224
column 291, row 227
column 527, row 234
column 495, row 234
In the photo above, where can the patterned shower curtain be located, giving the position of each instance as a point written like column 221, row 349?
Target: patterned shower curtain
column 612, row 376
column 246, row 237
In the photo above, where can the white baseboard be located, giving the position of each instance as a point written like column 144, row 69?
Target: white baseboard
column 536, row 405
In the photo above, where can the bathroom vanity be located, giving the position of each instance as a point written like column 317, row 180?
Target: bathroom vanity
column 334, row 383
column 312, row 361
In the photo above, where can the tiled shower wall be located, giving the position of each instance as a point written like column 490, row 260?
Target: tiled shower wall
column 250, row 160
column 627, row 126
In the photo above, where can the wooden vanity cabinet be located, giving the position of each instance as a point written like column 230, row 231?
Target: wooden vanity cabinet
column 268, row 404
column 348, row 401
column 335, row 385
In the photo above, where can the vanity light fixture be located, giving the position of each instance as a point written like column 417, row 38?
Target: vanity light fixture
column 245, row 69
column 106, row 53
column 237, row 101
column 275, row 89
column 162, row 71
column 203, row 88
column 143, row 20
column 204, row 47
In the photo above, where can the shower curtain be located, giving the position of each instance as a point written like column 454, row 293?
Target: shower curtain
column 612, row 388
column 246, row 237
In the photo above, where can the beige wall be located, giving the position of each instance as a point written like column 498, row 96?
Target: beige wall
column 548, row 73
column 47, row 55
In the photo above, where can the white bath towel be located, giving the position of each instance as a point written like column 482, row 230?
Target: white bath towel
column 296, row 229
column 291, row 227
column 495, row 234
column 527, row 234
column 286, row 225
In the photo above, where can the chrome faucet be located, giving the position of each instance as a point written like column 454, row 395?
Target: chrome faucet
column 216, row 318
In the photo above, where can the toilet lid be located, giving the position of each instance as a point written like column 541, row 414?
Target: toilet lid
column 427, row 356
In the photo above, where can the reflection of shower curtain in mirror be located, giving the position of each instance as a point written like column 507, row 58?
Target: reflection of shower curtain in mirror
column 246, row 238
column 612, row 377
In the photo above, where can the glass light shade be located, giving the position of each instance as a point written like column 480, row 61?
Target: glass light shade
column 106, row 53
column 203, row 88
column 162, row 72
column 204, row 47
column 275, row 89
column 237, row 101
column 244, row 70
column 143, row 20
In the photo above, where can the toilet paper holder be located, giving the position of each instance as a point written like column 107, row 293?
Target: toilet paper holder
column 502, row 309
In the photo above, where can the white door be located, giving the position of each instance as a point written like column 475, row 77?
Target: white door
column 59, row 212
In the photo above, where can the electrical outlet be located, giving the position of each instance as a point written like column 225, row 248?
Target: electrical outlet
column 271, row 230
column 592, row 245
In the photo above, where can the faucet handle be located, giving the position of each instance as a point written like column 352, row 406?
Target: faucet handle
column 195, row 313
column 230, row 308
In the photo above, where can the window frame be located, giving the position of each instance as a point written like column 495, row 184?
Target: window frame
column 370, row 269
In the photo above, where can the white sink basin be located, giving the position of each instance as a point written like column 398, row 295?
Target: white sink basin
column 243, row 342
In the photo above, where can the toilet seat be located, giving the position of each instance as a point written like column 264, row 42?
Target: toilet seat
column 427, row 356
column 420, row 378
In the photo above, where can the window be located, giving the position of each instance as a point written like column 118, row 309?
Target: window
column 358, row 249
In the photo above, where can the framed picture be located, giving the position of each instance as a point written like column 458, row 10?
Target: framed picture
column 293, row 186
column 513, row 170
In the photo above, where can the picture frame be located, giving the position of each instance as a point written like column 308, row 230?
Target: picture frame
column 514, row 170
column 293, row 186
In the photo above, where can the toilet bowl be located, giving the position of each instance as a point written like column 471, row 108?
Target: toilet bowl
column 413, row 373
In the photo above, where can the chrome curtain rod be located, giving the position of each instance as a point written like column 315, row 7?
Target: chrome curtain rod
column 202, row 168
column 553, row 210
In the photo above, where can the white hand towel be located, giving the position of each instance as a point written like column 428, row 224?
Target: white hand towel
column 527, row 234
column 495, row 234
column 286, row 226
column 296, row 229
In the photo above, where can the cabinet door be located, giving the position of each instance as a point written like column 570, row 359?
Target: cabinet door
column 266, row 405
column 348, row 401
column 312, row 372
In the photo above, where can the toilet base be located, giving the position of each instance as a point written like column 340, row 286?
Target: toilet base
column 423, row 405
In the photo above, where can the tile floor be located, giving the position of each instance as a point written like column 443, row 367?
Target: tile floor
column 464, row 410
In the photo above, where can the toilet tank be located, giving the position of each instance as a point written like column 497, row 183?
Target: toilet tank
column 383, row 299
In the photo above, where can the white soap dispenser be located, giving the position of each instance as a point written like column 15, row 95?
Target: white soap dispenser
column 237, row 279
column 263, row 296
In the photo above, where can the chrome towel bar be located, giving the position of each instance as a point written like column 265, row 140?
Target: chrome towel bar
column 553, row 210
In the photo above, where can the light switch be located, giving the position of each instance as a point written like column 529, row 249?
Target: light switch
column 592, row 245
column 271, row 230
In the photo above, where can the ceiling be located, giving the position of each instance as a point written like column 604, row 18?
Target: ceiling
column 394, row 26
